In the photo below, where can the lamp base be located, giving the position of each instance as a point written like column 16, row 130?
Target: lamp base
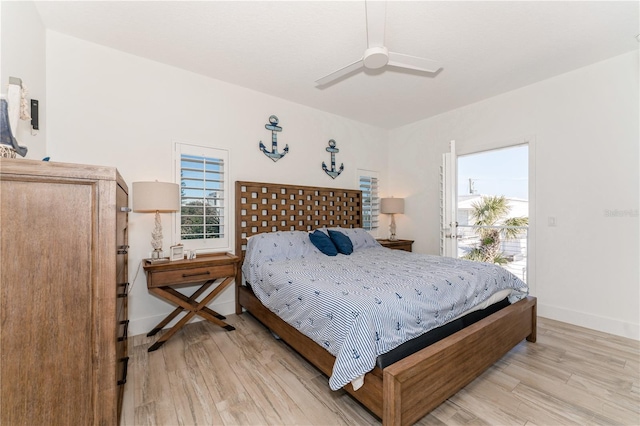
column 392, row 229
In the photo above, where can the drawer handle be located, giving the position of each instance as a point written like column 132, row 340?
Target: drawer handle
column 195, row 275
column 125, row 332
column 124, row 360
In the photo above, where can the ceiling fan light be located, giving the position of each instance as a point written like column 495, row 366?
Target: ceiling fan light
column 376, row 57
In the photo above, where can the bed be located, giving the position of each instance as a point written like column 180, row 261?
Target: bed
column 405, row 391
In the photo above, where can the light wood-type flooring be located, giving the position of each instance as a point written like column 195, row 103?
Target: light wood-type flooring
column 205, row 375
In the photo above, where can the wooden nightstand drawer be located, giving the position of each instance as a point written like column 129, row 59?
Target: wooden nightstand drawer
column 405, row 245
column 189, row 275
column 204, row 268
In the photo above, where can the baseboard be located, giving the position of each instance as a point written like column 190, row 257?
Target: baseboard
column 143, row 325
column 594, row 322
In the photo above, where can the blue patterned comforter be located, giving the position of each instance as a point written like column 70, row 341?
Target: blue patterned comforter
column 366, row 304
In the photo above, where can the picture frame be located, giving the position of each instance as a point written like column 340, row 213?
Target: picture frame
column 176, row 253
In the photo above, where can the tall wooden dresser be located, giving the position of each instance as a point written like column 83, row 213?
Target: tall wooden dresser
column 63, row 288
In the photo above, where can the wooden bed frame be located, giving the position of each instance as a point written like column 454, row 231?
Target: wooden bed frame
column 407, row 390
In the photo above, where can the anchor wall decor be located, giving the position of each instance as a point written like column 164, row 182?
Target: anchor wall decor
column 274, row 154
column 333, row 150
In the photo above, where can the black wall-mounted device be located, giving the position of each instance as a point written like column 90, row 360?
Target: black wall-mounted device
column 34, row 114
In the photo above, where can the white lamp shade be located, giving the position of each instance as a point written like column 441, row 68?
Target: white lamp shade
column 392, row 205
column 156, row 196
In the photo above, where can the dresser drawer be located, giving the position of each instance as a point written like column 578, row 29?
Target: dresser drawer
column 190, row 276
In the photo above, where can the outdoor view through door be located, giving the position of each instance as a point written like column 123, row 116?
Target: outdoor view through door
column 493, row 207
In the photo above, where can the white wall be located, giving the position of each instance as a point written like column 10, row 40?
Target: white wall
column 106, row 107
column 110, row 108
column 22, row 49
column 584, row 127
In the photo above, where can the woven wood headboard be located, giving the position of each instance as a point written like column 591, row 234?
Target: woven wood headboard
column 269, row 207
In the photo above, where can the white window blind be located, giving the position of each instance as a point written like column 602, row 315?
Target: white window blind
column 204, row 208
column 368, row 184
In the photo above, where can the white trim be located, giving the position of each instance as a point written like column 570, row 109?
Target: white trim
column 449, row 202
column 371, row 174
column 211, row 245
column 530, row 141
column 474, row 148
column 588, row 320
column 533, row 226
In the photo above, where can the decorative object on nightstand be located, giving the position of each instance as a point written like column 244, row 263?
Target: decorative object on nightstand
column 158, row 197
column 176, row 252
column 405, row 245
column 392, row 206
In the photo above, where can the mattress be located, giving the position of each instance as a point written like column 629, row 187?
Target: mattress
column 433, row 336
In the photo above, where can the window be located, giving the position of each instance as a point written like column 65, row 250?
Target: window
column 368, row 183
column 202, row 222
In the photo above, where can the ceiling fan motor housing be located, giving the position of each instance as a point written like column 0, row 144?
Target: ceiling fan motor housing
column 376, row 57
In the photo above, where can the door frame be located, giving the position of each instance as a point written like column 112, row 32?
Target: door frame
column 449, row 202
column 472, row 147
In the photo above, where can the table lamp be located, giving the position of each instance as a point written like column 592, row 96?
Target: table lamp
column 392, row 206
column 158, row 197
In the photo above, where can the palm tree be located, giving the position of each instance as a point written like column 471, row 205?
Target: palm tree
column 493, row 211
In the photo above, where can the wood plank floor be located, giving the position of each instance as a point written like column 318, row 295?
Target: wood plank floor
column 205, row 375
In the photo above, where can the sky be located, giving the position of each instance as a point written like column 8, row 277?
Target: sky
column 497, row 172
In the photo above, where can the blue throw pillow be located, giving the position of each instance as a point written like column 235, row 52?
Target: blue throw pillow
column 341, row 241
column 323, row 243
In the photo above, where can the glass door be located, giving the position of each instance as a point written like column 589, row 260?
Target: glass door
column 492, row 212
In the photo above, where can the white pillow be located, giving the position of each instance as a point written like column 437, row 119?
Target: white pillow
column 279, row 245
column 271, row 247
column 359, row 237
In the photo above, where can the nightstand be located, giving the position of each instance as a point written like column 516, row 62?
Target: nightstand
column 397, row 244
column 205, row 270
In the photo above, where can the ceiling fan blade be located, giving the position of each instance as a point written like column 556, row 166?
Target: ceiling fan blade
column 340, row 73
column 376, row 17
column 413, row 62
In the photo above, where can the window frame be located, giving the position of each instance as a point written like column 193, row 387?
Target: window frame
column 375, row 211
column 204, row 244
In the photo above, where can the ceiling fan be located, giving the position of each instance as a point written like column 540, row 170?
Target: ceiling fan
column 377, row 55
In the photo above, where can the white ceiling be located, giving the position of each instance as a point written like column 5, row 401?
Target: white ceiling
column 282, row 47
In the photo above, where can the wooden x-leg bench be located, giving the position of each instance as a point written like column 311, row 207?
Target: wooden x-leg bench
column 205, row 270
